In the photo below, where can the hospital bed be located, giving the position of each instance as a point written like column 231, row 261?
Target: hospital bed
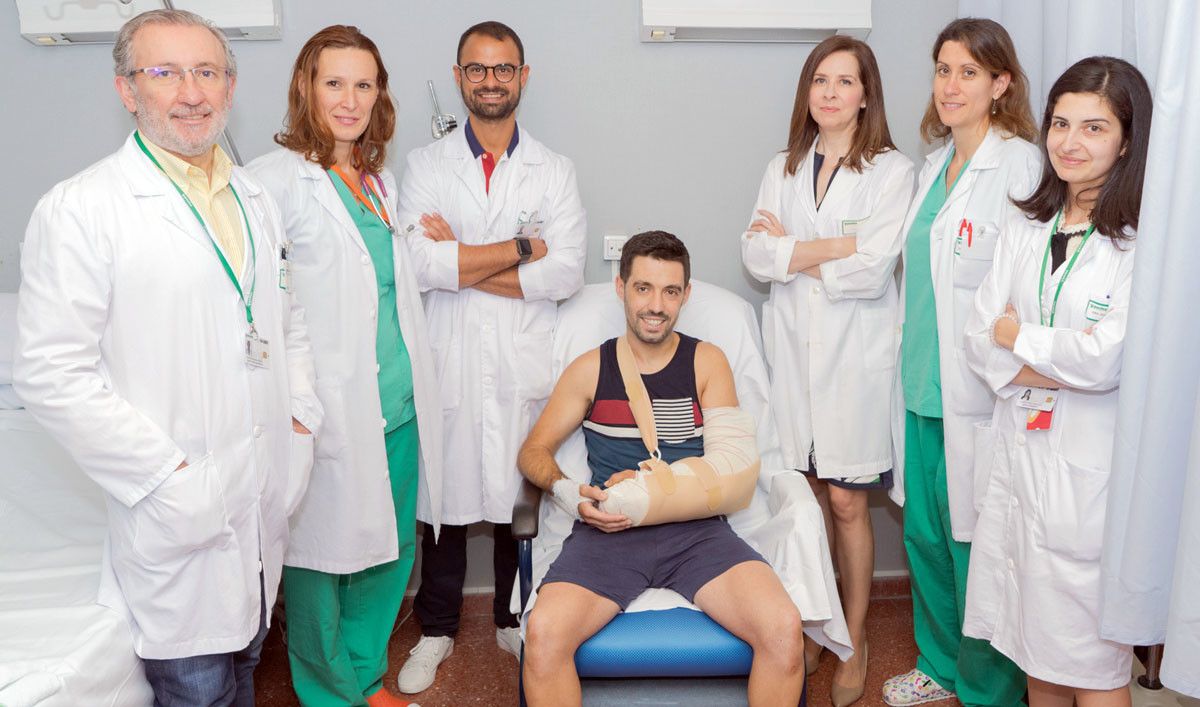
column 58, row 647
column 661, row 635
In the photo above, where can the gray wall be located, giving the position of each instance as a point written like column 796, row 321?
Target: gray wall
column 663, row 136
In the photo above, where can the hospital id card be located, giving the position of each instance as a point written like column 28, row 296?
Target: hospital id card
column 850, row 226
column 1037, row 399
column 529, row 225
column 1095, row 310
column 258, row 353
column 285, row 267
column 1040, row 404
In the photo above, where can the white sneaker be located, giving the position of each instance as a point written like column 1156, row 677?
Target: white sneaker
column 510, row 640
column 419, row 670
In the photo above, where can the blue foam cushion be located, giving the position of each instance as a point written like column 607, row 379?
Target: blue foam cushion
column 672, row 643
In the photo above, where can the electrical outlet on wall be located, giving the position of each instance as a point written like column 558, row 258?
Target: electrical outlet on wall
column 613, row 245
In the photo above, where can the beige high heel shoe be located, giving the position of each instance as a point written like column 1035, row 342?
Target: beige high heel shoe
column 812, row 658
column 843, row 695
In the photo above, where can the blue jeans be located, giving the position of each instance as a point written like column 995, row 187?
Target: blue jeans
column 219, row 680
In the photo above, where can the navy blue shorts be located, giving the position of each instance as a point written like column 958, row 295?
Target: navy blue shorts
column 679, row 556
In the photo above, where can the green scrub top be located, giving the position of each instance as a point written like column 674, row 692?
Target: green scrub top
column 395, row 368
column 920, row 370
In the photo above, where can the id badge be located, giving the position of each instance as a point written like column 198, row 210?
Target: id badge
column 1041, row 399
column 958, row 243
column 258, row 353
column 285, row 267
column 1039, row 420
column 1040, row 405
column 1095, row 310
column 529, row 225
column 850, row 226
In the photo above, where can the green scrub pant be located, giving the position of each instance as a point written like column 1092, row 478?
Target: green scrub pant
column 969, row 667
column 338, row 625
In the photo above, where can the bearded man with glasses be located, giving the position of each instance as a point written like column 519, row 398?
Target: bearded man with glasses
column 154, row 344
column 498, row 236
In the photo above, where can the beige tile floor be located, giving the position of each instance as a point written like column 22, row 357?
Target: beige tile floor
column 1158, row 698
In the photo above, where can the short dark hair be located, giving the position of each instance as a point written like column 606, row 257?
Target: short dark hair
column 497, row 31
column 1124, row 89
column 659, row 245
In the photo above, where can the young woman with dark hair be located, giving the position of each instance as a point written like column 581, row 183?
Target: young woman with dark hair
column 353, row 534
column 1047, row 334
column 826, row 234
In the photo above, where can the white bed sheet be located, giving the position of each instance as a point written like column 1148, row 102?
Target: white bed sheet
column 57, row 646
column 784, row 521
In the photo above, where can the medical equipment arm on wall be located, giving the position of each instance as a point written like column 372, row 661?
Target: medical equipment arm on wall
column 443, row 123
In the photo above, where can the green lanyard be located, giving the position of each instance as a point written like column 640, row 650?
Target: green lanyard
column 1070, row 264
column 246, row 302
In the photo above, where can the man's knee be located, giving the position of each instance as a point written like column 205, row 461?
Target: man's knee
column 549, row 638
column 781, row 639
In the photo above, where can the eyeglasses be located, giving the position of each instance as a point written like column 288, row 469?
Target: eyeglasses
column 206, row 76
column 504, row 73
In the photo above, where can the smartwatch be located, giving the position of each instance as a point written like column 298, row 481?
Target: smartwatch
column 524, row 250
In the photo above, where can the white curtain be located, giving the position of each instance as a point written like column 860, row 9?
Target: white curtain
column 1151, row 564
column 1152, row 543
column 1050, row 35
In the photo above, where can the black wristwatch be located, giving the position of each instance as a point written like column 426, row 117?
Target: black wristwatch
column 524, row 249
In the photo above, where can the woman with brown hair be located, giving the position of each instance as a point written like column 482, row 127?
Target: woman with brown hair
column 980, row 109
column 353, row 534
column 826, row 235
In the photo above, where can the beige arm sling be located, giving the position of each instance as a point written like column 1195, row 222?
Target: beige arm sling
column 720, row 482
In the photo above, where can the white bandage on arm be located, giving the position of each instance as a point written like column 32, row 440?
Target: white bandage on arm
column 720, row 482
column 565, row 494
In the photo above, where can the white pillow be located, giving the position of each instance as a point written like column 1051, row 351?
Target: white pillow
column 8, row 334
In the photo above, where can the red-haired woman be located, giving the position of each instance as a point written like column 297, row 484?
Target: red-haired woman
column 353, row 533
column 826, row 234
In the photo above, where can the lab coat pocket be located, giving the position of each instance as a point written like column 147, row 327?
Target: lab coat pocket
column 973, row 254
column 1074, row 506
column 535, row 367
column 185, row 514
column 985, row 441
column 877, row 328
column 332, row 440
column 299, row 470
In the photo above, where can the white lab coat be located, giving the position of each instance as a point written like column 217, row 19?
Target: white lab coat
column 346, row 522
column 130, row 351
column 831, row 342
column 1001, row 168
column 1034, row 584
column 493, row 354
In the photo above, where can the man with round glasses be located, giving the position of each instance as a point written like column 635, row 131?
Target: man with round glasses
column 498, row 236
column 154, row 343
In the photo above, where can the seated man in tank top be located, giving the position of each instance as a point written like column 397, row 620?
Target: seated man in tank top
column 611, row 557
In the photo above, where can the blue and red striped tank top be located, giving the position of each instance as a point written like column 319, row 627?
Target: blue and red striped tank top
column 613, row 441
